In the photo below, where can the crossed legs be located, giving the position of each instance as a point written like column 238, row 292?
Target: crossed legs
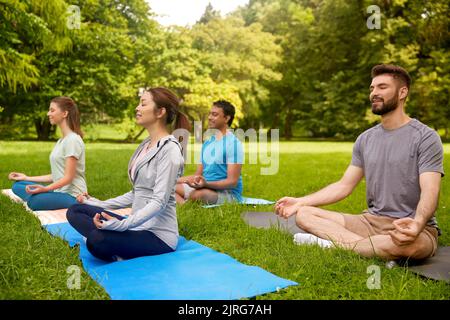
column 204, row 195
column 331, row 225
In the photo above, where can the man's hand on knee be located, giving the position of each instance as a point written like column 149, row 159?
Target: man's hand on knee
column 288, row 206
column 286, row 201
column 198, row 182
column 406, row 231
column 187, row 180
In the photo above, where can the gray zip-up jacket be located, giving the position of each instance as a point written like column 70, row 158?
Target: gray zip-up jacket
column 153, row 196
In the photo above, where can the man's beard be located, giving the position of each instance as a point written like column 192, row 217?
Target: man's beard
column 386, row 107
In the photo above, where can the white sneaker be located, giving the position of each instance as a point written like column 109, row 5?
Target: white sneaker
column 308, row 238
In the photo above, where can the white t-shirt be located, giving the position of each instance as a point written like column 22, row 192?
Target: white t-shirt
column 70, row 146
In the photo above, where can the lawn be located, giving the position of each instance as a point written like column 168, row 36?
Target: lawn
column 33, row 264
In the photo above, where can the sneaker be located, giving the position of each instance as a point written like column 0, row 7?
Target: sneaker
column 308, row 238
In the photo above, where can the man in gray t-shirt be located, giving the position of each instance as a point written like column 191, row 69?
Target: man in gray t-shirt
column 402, row 162
column 392, row 161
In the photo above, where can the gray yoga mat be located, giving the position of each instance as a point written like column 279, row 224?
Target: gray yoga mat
column 437, row 267
column 266, row 220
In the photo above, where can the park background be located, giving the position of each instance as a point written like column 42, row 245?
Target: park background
column 301, row 66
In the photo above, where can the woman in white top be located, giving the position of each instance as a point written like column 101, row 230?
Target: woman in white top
column 67, row 161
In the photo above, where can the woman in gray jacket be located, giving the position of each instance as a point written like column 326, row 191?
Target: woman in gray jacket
column 153, row 170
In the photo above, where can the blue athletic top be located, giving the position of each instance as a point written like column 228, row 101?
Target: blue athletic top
column 216, row 154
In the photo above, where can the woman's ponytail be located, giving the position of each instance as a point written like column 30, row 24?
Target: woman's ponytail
column 182, row 122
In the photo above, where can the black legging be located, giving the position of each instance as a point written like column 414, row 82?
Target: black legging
column 110, row 245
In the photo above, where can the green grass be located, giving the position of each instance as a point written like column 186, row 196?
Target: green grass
column 33, row 264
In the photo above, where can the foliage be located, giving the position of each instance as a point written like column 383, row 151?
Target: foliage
column 99, row 72
column 328, row 52
column 288, row 64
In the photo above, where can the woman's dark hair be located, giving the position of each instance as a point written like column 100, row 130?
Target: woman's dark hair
column 228, row 109
column 73, row 117
column 164, row 98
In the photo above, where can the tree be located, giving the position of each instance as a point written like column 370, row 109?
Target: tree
column 26, row 29
column 101, row 73
column 220, row 59
column 209, row 14
column 292, row 64
column 328, row 53
column 244, row 56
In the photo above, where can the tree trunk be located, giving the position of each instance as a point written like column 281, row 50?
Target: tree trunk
column 131, row 139
column 44, row 129
column 288, row 126
column 275, row 121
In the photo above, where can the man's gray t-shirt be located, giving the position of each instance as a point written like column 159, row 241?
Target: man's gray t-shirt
column 392, row 161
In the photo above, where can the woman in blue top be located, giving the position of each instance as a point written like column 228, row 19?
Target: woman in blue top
column 67, row 162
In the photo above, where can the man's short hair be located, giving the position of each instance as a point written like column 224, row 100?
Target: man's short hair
column 396, row 72
column 228, row 109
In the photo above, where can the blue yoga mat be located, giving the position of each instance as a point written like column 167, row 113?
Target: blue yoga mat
column 192, row 272
column 245, row 200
